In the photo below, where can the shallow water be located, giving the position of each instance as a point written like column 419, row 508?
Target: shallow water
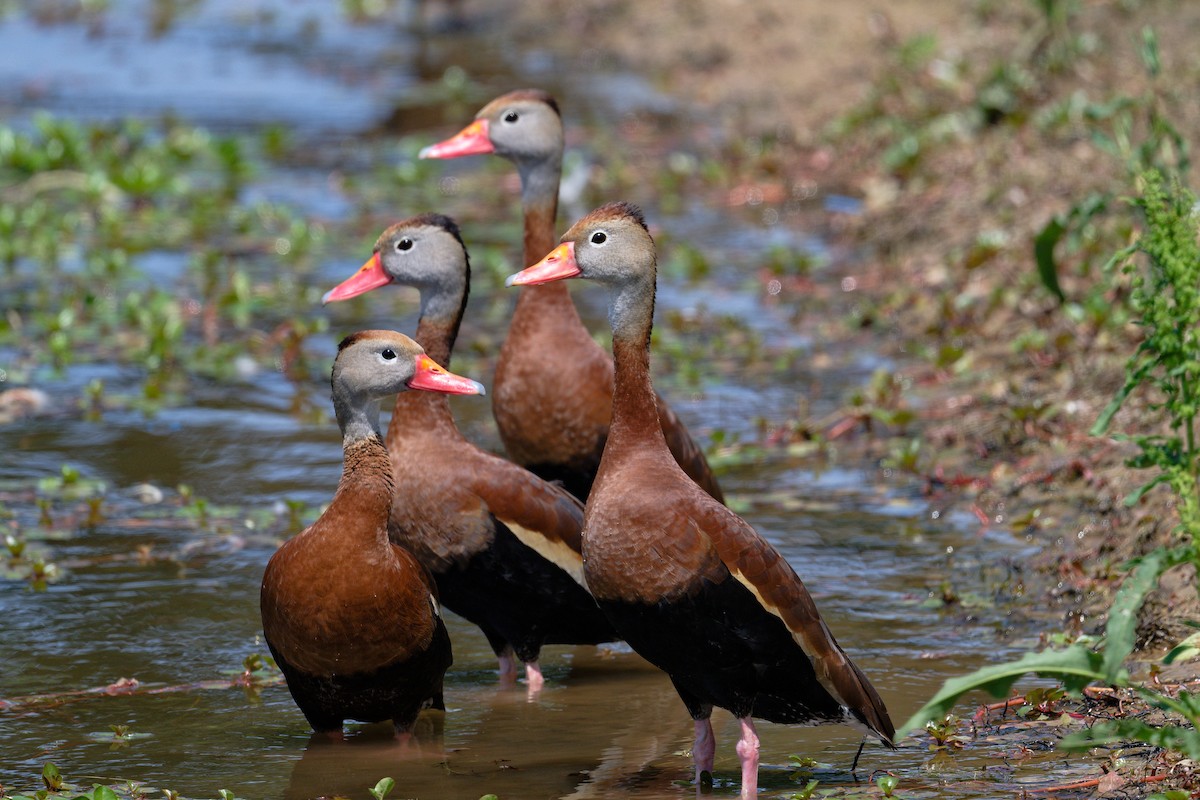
column 152, row 594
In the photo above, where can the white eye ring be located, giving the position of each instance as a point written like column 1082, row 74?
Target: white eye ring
column 404, row 244
column 388, row 354
column 511, row 117
column 598, row 239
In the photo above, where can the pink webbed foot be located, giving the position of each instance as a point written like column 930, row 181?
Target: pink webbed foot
column 508, row 667
column 534, row 677
column 704, row 750
column 747, row 750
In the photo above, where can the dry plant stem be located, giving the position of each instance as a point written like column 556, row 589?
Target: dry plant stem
column 1094, row 782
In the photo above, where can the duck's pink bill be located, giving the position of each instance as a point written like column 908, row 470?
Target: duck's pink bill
column 558, row 264
column 433, row 377
column 470, row 141
column 369, row 276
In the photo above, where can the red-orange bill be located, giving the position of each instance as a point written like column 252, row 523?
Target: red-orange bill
column 432, row 377
column 471, row 140
column 558, row 264
column 369, row 276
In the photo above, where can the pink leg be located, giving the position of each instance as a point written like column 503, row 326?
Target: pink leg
column 533, row 676
column 508, row 666
column 703, row 751
column 747, row 750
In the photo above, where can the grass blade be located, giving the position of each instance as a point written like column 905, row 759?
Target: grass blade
column 1075, row 666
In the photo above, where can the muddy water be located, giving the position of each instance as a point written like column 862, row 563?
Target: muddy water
column 155, row 596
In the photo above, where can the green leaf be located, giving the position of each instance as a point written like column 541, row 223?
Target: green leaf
column 103, row 793
column 1043, row 253
column 52, row 777
column 383, row 788
column 1133, row 497
column 1121, row 630
column 1075, row 667
column 1150, row 58
column 1189, row 648
column 1132, row 380
column 1171, row 794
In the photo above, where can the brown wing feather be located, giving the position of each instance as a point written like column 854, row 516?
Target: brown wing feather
column 442, row 534
column 543, row 516
column 516, row 495
column 753, row 561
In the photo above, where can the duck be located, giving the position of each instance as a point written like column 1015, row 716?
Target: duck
column 558, row 437
column 352, row 619
column 688, row 584
column 502, row 544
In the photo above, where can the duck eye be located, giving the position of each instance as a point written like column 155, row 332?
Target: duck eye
column 511, row 117
column 388, row 354
column 404, row 244
column 599, row 237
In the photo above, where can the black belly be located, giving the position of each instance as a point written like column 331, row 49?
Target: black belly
column 396, row 692
column 517, row 597
column 722, row 648
column 576, row 476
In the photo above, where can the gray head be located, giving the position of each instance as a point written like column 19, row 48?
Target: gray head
column 371, row 365
column 425, row 251
column 610, row 246
column 524, row 126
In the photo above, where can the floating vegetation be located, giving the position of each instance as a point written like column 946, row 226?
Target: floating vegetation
column 89, row 217
column 35, row 516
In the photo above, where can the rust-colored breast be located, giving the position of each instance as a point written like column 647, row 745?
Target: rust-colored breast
column 553, row 388
column 354, row 618
column 339, row 598
column 640, row 541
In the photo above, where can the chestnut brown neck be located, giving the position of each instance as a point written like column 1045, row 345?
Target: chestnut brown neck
column 364, row 492
column 635, row 407
column 423, row 413
column 539, row 204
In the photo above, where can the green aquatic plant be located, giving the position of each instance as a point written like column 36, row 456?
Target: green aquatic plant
column 807, row 792
column 23, row 564
column 881, row 401
column 944, row 733
column 56, row 787
column 51, row 777
column 383, row 788
column 86, row 210
column 887, row 784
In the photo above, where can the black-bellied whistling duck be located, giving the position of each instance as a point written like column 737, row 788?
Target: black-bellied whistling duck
column 351, row 618
column 558, row 435
column 687, row 583
column 502, row 543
